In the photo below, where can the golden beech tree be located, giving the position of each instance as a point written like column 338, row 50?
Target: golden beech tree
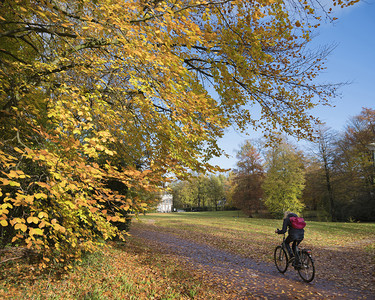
column 99, row 90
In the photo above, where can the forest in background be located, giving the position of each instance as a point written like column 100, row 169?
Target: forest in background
column 332, row 180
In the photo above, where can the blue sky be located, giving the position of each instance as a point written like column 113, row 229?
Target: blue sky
column 353, row 60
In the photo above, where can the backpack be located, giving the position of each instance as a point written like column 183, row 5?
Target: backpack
column 297, row 222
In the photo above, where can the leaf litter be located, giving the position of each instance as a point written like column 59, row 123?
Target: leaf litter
column 244, row 268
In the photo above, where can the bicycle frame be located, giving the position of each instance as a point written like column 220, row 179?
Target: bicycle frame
column 305, row 266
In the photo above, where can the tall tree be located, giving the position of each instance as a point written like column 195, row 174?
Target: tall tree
column 199, row 192
column 315, row 190
column 284, row 180
column 230, row 187
column 248, row 180
column 200, row 188
column 216, row 191
column 182, row 195
column 354, row 168
column 117, row 90
column 326, row 154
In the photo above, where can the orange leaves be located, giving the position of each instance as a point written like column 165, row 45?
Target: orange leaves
column 4, row 208
column 344, row 3
column 32, row 219
column 125, row 207
column 93, row 209
column 113, row 218
column 43, row 185
column 13, row 175
column 59, row 228
column 20, row 226
column 9, row 182
column 42, row 215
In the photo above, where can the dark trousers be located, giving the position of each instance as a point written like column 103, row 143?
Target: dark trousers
column 287, row 242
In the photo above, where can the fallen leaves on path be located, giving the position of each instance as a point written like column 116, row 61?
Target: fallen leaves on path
column 344, row 270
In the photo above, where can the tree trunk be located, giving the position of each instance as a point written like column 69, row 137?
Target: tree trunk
column 332, row 211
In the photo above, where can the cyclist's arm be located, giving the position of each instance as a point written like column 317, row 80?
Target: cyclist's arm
column 285, row 227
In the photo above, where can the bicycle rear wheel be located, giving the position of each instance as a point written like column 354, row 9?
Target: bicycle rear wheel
column 307, row 268
column 281, row 259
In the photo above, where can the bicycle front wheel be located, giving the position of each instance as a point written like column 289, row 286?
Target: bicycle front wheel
column 307, row 268
column 281, row 259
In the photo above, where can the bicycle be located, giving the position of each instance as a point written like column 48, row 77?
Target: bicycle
column 306, row 268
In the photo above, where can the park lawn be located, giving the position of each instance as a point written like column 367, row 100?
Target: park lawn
column 133, row 270
column 235, row 225
column 343, row 252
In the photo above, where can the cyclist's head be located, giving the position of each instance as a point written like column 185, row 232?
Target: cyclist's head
column 286, row 214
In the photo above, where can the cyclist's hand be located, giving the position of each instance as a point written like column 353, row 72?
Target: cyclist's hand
column 276, row 231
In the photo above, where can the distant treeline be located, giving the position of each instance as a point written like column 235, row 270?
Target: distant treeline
column 333, row 180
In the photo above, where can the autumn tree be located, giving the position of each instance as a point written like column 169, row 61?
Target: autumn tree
column 354, row 168
column 191, row 193
column 284, row 180
column 248, row 180
column 100, row 91
column 199, row 186
column 199, row 192
column 230, row 189
column 182, row 195
column 314, row 191
column 326, row 145
column 216, row 191
column 319, row 194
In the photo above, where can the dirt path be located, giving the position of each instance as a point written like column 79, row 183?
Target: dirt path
column 243, row 277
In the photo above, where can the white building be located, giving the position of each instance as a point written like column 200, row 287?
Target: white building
column 166, row 203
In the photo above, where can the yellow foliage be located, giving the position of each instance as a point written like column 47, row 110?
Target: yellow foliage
column 42, row 215
column 40, row 195
column 36, row 231
column 116, row 91
column 20, row 226
column 33, row 220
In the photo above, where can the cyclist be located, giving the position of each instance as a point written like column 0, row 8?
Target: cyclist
column 294, row 235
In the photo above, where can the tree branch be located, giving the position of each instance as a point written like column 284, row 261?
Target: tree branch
column 9, row 259
column 40, row 28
